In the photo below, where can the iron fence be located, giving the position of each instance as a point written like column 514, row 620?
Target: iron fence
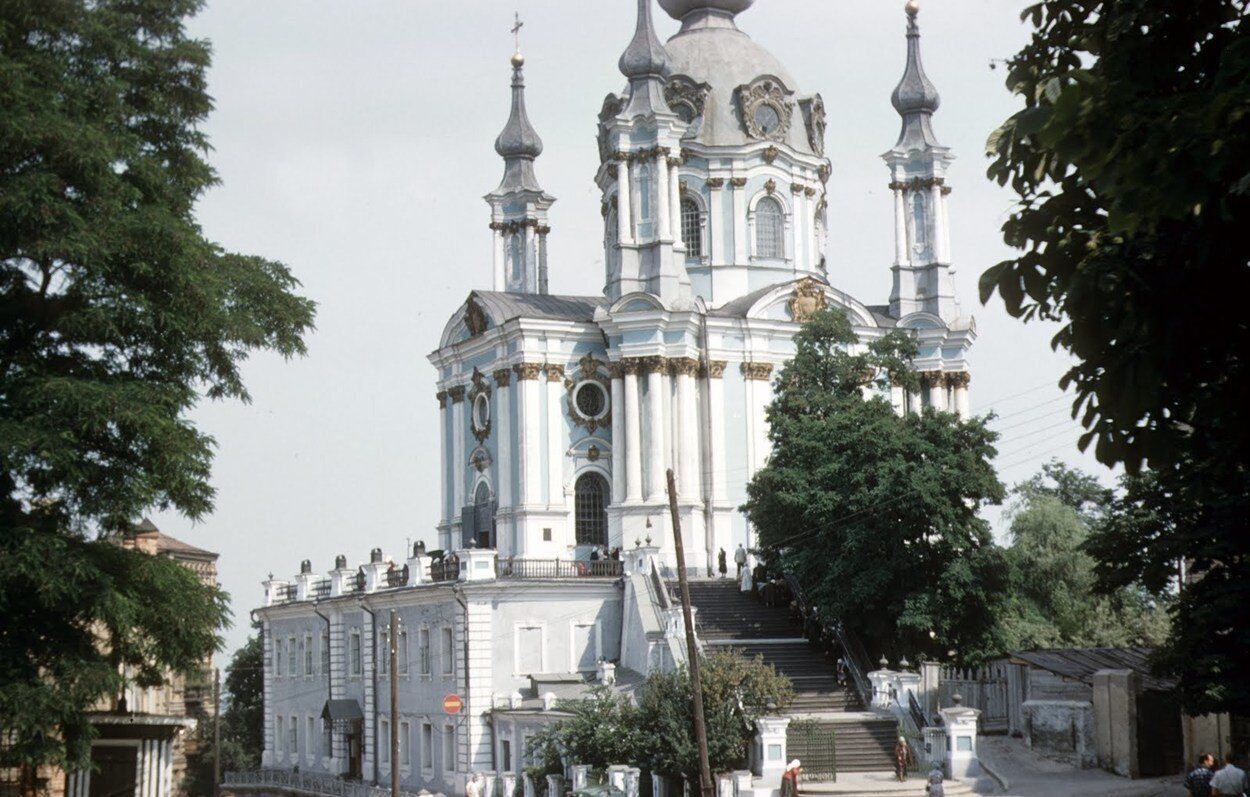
column 557, row 568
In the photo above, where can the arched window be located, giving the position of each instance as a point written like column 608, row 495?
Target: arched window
column 590, row 501
column 483, row 517
column 691, row 229
column 770, row 225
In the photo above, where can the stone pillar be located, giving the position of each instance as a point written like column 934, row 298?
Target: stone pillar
column 618, row 432
column 688, row 447
column 555, row 436
column 499, row 257
column 901, row 256
column 1115, row 721
column 502, row 421
column 655, row 428
column 616, row 776
column 624, row 201
column 958, row 383
column 741, row 251
column 941, row 244
column 770, row 748
column 530, row 455
column 961, row 741
column 674, row 201
column 724, row 784
column 633, row 432
column 716, row 240
column 528, row 786
column 456, row 394
column 907, row 682
column 898, row 398
column 555, row 785
column 742, row 783
column 507, row 784
column 476, row 564
column 663, row 195
column 633, row 781
column 578, row 774
column 444, row 450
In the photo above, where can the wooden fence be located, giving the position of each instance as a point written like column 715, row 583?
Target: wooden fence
column 996, row 689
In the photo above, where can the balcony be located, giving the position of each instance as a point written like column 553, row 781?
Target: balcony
column 557, row 568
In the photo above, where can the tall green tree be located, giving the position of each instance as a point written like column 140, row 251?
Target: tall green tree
column 116, row 315
column 1052, row 601
column 876, row 513
column 1128, row 161
column 242, row 721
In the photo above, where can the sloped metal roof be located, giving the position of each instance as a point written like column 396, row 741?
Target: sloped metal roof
column 503, row 307
column 1081, row 663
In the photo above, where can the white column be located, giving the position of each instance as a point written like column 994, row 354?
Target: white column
column 555, row 436
column 663, row 196
column 756, row 376
column 688, row 441
column 798, row 209
column 457, row 449
column 503, row 423
column 530, row 444
column 716, row 421
column 633, row 433
column 741, row 257
column 940, row 253
column 618, row 434
column 937, row 391
column 901, row 256
column 499, row 255
column 898, row 399
column 944, row 222
column 624, row 201
column 444, row 450
column 716, row 236
column 962, row 406
column 674, row 200
column 655, row 428
column 529, row 275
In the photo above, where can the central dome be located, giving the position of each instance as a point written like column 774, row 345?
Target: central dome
column 678, row 9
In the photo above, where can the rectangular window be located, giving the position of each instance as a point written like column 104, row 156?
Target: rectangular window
column 292, row 657
column 277, row 659
column 402, row 653
column 423, row 650
column 355, row 653
column 384, row 742
column 308, row 654
column 293, row 739
column 506, row 755
column 449, row 749
column 325, row 652
column 309, row 736
column 384, row 652
column 405, row 744
column 448, row 651
column 279, row 736
column 427, row 746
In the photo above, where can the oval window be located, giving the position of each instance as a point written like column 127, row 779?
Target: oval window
column 590, row 400
column 481, row 411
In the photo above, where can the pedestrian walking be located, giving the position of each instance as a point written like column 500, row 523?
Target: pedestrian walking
column 842, row 672
column 902, row 758
column 1198, row 781
column 740, row 559
column 1229, row 781
column 790, row 779
column 720, row 563
column 933, row 787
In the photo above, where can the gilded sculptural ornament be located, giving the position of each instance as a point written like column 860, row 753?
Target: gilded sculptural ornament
column 807, row 300
column 479, row 419
column 456, row 394
column 757, row 371
column 814, row 114
column 589, row 370
column 526, row 371
column 474, row 317
column 770, row 186
column 766, row 109
column 686, row 97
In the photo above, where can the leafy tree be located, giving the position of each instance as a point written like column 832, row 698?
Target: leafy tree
column 1053, row 603
column 603, row 730
column 736, row 692
column 242, row 720
column 876, row 513
column 1128, row 159
column 117, row 315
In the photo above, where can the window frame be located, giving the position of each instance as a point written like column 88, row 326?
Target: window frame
column 600, row 520
column 355, row 654
column 447, row 651
column 695, row 250
column 449, row 749
column 780, row 252
column 424, row 664
column 427, row 747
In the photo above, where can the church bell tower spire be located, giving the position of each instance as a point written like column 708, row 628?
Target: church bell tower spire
column 519, row 205
column 923, row 279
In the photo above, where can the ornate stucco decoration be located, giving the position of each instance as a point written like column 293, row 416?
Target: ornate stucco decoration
column 715, row 182
column 766, row 109
column 480, row 459
column 456, row 394
column 760, row 371
column 479, row 407
column 958, row 379
column 932, row 378
column 679, row 366
column 807, row 300
column 814, row 116
column 770, row 154
column 770, row 186
column 526, row 371
column 555, row 373
column 716, row 369
column 503, row 377
column 654, row 364
column 442, row 399
column 590, row 376
column 738, row 182
column 686, row 98
column 611, row 108
column 474, row 317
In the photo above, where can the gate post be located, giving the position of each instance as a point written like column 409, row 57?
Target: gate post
column 770, row 748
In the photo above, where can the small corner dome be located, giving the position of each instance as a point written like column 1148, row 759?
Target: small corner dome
column 678, row 9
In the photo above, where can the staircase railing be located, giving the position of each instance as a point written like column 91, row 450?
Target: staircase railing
column 853, row 653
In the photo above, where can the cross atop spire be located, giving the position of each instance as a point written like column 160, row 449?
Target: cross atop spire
column 516, row 33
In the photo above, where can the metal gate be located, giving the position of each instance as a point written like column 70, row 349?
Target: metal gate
column 814, row 745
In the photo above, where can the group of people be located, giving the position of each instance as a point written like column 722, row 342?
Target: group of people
column 740, row 561
column 601, row 553
column 1208, row 779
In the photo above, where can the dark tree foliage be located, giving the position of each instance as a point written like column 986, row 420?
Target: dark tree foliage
column 242, row 721
column 116, row 315
column 1129, row 162
column 876, row 513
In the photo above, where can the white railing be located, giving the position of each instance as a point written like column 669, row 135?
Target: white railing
column 304, row 783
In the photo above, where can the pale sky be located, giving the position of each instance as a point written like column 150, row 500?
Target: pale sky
column 354, row 139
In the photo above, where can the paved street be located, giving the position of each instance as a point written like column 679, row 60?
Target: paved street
column 1029, row 775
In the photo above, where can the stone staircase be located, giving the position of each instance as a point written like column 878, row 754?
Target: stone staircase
column 729, row 618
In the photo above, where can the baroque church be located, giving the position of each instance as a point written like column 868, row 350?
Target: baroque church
column 560, row 415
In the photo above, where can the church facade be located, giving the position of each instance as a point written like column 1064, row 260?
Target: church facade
column 560, row 415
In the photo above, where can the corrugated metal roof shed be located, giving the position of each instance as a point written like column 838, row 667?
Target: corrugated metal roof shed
column 1081, row 663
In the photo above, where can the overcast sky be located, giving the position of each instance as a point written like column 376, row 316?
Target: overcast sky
column 354, row 140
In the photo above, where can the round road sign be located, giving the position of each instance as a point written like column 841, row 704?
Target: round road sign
column 452, row 704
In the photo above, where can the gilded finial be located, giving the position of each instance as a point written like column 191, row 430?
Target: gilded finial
column 912, row 7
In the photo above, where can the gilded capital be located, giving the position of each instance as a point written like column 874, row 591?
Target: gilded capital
column 527, row 370
column 958, row 379
column 456, row 393
column 687, row 366
column 653, row 364
column 503, row 377
column 760, row 371
column 442, row 399
column 716, row 369
column 631, row 366
column 738, row 182
column 555, row 373
column 715, row 182
column 615, row 370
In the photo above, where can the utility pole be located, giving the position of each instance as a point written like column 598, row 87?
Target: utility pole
column 216, row 732
column 692, row 649
column 394, row 654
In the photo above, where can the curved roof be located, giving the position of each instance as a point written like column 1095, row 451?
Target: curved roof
column 711, row 49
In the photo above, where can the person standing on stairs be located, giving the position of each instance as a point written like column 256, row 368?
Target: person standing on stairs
column 790, row 779
column 720, row 563
column 902, row 757
column 740, row 559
